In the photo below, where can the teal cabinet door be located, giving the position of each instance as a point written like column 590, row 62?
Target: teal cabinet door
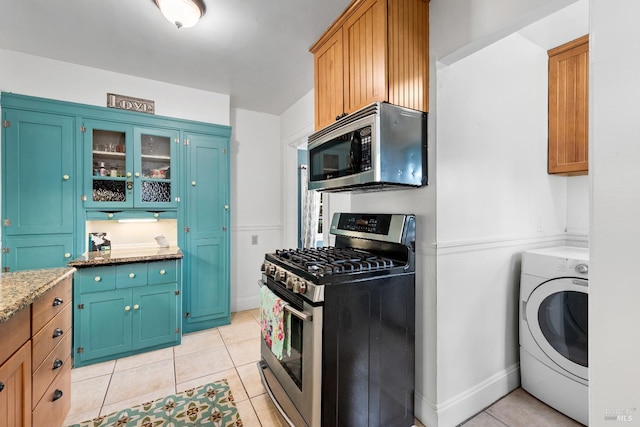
column 128, row 166
column 155, row 315
column 206, row 238
column 38, row 176
column 108, row 163
column 105, row 324
column 31, row 252
column 155, row 157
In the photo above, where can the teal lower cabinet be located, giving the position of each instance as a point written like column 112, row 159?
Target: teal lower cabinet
column 125, row 309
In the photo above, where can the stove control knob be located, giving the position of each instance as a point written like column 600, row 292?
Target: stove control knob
column 280, row 275
column 291, row 281
column 271, row 269
column 299, row 287
column 263, row 267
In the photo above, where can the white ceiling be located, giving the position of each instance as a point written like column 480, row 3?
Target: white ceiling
column 257, row 51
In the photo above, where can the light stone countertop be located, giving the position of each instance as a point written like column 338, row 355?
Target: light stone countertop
column 21, row 288
column 128, row 255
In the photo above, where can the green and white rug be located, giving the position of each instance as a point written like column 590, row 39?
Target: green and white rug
column 208, row 405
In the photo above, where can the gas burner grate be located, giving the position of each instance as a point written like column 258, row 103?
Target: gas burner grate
column 330, row 260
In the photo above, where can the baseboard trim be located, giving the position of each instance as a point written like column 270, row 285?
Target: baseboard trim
column 470, row 402
column 246, row 303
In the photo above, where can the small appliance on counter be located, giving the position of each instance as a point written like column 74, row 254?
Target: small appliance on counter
column 380, row 147
column 349, row 338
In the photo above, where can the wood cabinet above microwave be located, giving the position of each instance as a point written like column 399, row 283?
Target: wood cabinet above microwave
column 377, row 50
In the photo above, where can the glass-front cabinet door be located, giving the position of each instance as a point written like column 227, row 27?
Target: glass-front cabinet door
column 130, row 166
column 155, row 154
column 108, row 154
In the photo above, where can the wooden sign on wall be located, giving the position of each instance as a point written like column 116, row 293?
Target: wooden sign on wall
column 123, row 102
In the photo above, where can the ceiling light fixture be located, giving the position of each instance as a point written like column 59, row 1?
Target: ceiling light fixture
column 182, row 13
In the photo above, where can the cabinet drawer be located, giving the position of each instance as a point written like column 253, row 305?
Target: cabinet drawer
column 129, row 275
column 48, row 371
column 14, row 332
column 96, row 279
column 163, row 272
column 50, row 304
column 54, row 405
column 50, row 335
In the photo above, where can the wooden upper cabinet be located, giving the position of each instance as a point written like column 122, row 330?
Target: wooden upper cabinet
column 568, row 108
column 328, row 80
column 377, row 50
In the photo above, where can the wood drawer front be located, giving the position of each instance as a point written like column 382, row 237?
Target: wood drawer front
column 130, row 275
column 163, row 272
column 96, row 279
column 14, row 332
column 48, row 371
column 50, row 412
column 50, row 304
column 49, row 336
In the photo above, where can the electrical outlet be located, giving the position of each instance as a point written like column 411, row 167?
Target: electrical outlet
column 254, row 239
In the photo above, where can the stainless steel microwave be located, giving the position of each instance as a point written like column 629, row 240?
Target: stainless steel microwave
column 379, row 147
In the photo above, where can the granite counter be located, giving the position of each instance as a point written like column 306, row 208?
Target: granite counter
column 21, row 288
column 123, row 256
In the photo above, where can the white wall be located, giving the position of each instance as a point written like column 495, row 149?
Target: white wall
column 256, row 182
column 36, row 76
column 614, row 344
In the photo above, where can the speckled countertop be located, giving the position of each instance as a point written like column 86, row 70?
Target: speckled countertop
column 122, row 256
column 21, row 288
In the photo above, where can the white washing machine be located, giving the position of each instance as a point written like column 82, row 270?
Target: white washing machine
column 554, row 328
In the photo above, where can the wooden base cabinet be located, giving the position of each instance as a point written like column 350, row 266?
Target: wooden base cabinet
column 15, row 396
column 126, row 309
column 35, row 380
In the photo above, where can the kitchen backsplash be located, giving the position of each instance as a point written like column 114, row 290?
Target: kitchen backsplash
column 135, row 234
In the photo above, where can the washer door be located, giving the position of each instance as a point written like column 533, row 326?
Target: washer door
column 557, row 315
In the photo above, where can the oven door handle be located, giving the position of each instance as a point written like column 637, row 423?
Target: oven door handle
column 299, row 314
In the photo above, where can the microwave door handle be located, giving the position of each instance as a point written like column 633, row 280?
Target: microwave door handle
column 355, row 151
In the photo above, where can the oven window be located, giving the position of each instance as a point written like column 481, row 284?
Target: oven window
column 293, row 363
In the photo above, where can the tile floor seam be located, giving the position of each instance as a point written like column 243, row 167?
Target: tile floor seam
column 497, row 419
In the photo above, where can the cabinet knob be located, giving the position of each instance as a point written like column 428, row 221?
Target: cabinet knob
column 132, row 275
column 135, row 307
column 57, row 301
column 226, row 207
column 193, row 183
column 163, row 272
column 97, row 278
column 109, row 215
column 57, row 364
column 65, row 177
column 128, row 174
column 127, row 308
column 67, row 255
column 57, row 395
column 137, row 174
column 57, row 332
column 1, row 386
column 156, row 215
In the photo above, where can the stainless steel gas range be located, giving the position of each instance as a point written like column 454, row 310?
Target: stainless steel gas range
column 352, row 326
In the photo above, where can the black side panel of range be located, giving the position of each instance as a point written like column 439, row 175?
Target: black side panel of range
column 369, row 353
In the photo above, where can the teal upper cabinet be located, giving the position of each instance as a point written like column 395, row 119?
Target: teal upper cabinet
column 128, row 166
column 38, row 173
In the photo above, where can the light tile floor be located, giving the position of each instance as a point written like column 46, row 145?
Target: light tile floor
column 106, row 387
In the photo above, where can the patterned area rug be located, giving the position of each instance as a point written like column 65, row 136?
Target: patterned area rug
column 208, row 405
